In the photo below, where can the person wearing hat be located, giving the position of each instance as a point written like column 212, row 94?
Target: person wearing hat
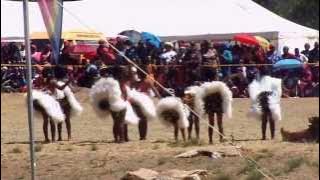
column 169, row 55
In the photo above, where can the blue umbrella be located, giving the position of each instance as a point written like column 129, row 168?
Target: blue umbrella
column 286, row 64
column 134, row 36
column 151, row 38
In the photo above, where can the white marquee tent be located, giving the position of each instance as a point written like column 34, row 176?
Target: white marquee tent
column 172, row 19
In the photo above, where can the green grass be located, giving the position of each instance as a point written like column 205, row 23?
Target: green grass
column 293, row 164
column 254, row 175
column 247, row 168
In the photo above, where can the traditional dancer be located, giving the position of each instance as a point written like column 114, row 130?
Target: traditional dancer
column 172, row 112
column 189, row 99
column 145, row 109
column 106, row 98
column 49, row 108
column 214, row 98
column 141, row 100
column 69, row 104
column 265, row 93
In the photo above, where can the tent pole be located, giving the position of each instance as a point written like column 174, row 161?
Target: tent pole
column 29, row 81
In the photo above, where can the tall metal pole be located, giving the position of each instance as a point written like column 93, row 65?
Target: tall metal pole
column 29, row 80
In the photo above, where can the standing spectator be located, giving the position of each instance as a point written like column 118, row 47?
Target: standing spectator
column 192, row 61
column 272, row 55
column 104, row 54
column 314, row 53
column 306, row 50
column 23, row 52
column 300, row 57
column 45, row 56
column 211, row 61
column 305, row 83
column 286, row 54
column 259, row 56
column 169, row 55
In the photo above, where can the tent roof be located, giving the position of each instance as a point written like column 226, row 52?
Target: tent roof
column 161, row 17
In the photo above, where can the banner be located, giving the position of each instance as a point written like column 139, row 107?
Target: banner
column 52, row 16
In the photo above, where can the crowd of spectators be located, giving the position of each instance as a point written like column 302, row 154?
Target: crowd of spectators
column 175, row 65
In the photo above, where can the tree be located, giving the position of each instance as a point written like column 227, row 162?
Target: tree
column 299, row 11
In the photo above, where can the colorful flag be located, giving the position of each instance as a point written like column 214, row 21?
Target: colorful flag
column 51, row 11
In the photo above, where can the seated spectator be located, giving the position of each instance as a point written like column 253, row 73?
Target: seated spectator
column 314, row 53
column 286, row 54
column 300, row 57
column 306, row 50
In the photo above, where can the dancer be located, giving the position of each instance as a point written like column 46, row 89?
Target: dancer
column 265, row 93
column 172, row 112
column 214, row 99
column 68, row 102
column 49, row 109
column 106, row 99
column 189, row 99
column 141, row 100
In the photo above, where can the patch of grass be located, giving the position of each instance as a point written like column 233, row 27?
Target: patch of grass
column 94, row 147
column 69, row 148
column 254, row 175
column 162, row 161
column 16, row 150
column 223, row 176
column 193, row 142
column 277, row 171
column 262, row 155
column 155, row 147
column 294, row 163
column 38, row 148
column 247, row 168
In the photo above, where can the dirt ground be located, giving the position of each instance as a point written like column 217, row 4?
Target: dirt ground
column 92, row 155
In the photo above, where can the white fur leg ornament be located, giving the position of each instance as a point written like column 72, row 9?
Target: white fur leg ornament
column 214, row 87
column 144, row 102
column 105, row 96
column 270, row 84
column 173, row 104
column 49, row 104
